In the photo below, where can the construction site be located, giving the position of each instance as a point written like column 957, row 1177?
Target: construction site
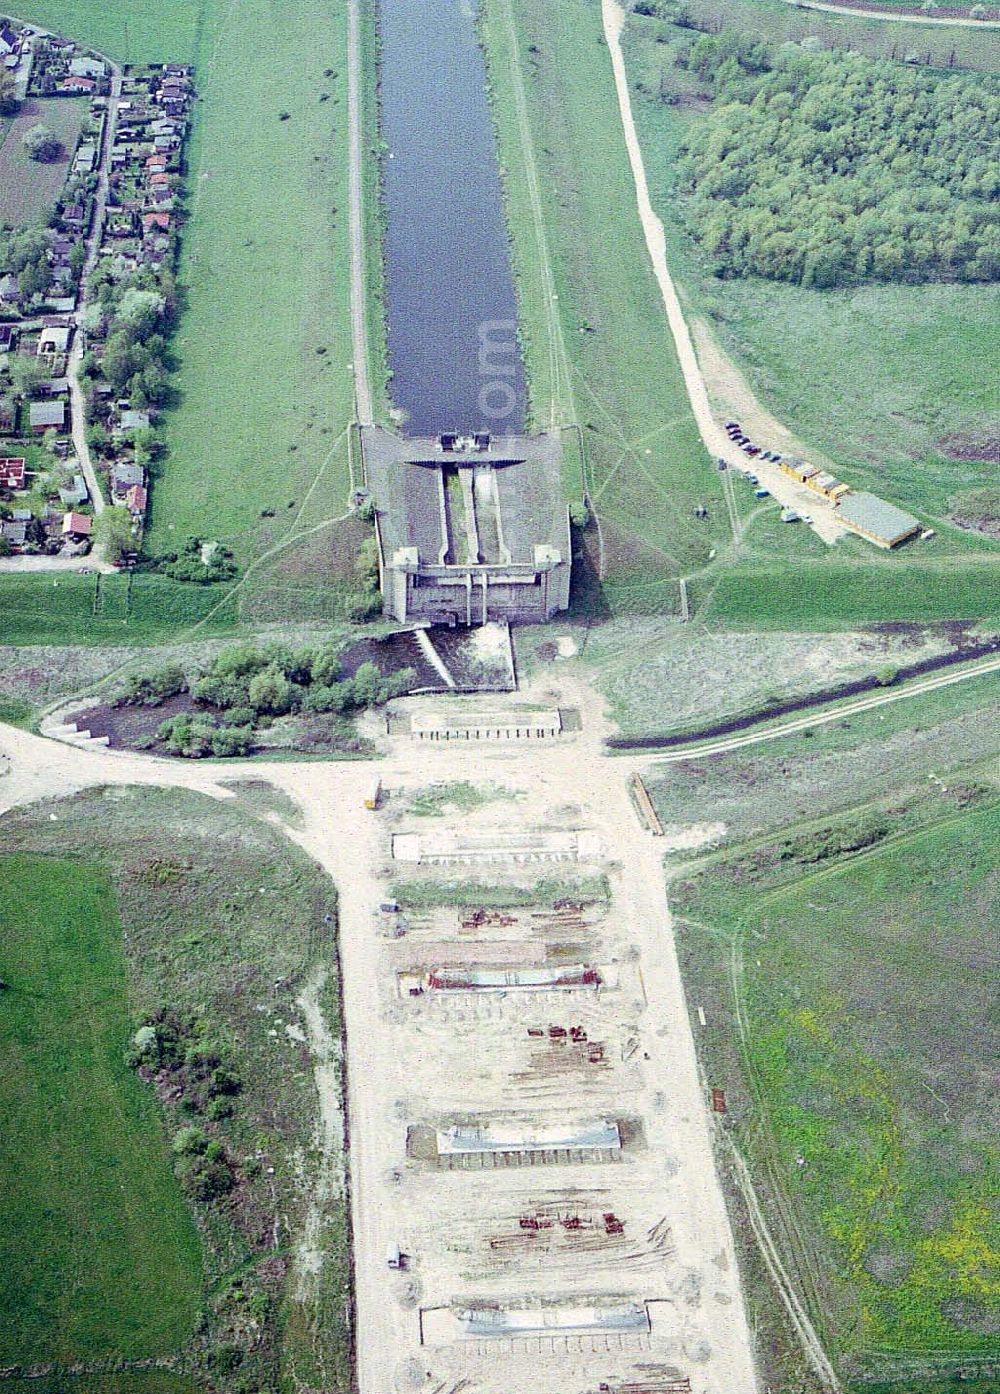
column 521, row 1040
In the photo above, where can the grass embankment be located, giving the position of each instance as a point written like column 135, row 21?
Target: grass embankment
column 91, row 1207
column 831, row 964
column 895, row 373
column 647, row 470
column 417, row 894
column 225, row 923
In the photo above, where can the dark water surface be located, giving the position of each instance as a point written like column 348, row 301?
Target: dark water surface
column 451, row 303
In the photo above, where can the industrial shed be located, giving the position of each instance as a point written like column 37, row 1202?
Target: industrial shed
column 877, row 521
column 485, row 1146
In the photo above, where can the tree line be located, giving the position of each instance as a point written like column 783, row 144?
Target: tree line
column 830, row 169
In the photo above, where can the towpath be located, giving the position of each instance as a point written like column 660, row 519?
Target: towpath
column 359, row 321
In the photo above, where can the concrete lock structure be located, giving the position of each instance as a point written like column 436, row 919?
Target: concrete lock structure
column 470, row 528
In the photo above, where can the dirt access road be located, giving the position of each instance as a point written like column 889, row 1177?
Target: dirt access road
column 790, row 494
column 572, row 775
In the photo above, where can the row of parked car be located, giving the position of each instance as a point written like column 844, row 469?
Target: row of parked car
column 737, row 436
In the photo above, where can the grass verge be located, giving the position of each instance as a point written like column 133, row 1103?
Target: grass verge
column 91, row 1206
column 828, row 964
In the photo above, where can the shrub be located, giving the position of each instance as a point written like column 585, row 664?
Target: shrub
column 219, row 1108
column 579, row 513
column 189, row 1142
column 41, row 143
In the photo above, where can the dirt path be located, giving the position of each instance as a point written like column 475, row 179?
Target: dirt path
column 359, row 322
column 713, row 436
column 821, row 718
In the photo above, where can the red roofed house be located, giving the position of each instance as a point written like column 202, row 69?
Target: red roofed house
column 159, row 181
column 77, row 84
column 135, row 501
column 77, row 525
column 156, row 220
column 12, row 474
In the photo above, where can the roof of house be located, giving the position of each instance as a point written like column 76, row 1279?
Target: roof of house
column 12, row 472
column 86, row 67
column 77, row 84
column 876, row 516
column 47, row 413
column 14, row 532
column 54, row 337
column 80, row 523
column 125, row 474
column 161, row 220
column 136, row 499
column 134, row 420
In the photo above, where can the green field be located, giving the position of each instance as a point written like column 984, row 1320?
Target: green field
column 849, row 1001
column 29, row 188
column 266, row 394
column 98, row 1253
column 131, row 31
column 223, row 923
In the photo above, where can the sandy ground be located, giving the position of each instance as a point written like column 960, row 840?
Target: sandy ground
column 406, row 1066
column 716, row 442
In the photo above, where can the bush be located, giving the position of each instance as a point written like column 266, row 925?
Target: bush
column 206, row 1178
column 150, row 689
column 579, row 514
column 219, row 1108
column 229, row 741
column 270, row 692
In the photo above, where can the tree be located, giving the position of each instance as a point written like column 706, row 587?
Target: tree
column 140, row 311
column 29, row 374
column 35, row 278
column 113, row 530
column 41, row 143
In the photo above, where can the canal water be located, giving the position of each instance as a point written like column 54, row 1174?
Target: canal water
column 452, row 310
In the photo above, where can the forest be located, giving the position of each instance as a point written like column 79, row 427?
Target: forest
column 832, row 169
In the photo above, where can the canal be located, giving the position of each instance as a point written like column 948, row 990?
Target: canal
column 452, row 310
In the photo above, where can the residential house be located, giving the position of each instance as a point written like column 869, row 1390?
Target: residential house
column 130, row 421
column 87, row 67
column 77, row 85
column 12, row 474
column 152, row 221
column 73, row 214
column 54, row 339
column 85, row 159
column 10, row 291
column 76, row 493
column 77, row 525
column 9, row 41
column 125, row 475
column 14, row 533
column 47, row 416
